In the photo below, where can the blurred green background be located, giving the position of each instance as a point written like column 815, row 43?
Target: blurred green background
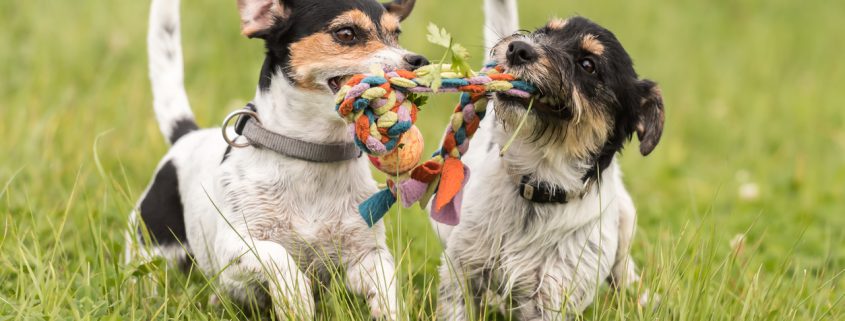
column 753, row 144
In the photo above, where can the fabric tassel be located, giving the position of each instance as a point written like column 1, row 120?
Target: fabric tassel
column 411, row 190
column 450, row 214
column 374, row 208
column 450, row 182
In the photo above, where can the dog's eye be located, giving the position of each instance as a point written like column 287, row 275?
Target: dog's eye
column 345, row 35
column 587, row 65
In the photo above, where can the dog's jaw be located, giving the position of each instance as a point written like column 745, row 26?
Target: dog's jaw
column 301, row 114
column 308, row 114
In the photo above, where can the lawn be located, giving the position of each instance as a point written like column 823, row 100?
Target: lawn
column 741, row 206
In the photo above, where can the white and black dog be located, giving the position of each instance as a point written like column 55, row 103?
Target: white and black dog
column 546, row 223
column 270, row 218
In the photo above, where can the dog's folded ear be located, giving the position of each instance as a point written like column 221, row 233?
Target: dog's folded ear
column 259, row 15
column 649, row 116
column 400, row 8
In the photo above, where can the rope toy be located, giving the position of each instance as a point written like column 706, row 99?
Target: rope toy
column 381, row 109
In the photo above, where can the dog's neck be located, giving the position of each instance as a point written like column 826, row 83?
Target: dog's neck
column 545, row 162
column 303, row 114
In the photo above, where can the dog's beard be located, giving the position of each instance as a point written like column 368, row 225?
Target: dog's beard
column 574, row 125
column 537, row 130
column 551, row 108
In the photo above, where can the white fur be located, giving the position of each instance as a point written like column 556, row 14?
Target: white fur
column 165, row 53
column 264, row 217
column 501, row 20
column 549, row 258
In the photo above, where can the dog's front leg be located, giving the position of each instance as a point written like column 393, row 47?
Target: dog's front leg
column 624, row 271
column 457, row 292
column 373, row 276
column 551, row 302
column 265, row 261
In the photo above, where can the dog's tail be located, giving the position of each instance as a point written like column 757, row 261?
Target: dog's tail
column 501, row 20
column 170, row 101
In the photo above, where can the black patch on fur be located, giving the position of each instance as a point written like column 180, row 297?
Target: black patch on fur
column 614, row 88
column 181, row 128
column 226, row 154
column 169, row 27
column 307, row 17
column 161, row 209
column 168, row 30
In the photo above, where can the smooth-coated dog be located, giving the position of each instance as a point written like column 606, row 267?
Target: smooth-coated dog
column 550, row 220
column 267, row 223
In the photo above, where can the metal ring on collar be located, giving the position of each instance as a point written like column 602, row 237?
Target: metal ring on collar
column 229, row 118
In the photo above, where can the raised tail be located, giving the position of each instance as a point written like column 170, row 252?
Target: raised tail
column 501, row 19
column 170, row 101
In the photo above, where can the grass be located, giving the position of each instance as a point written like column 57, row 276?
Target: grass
column 755, row 134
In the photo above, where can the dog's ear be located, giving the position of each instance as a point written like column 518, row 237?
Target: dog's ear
column 259, row 15
column 649, row 116
column 400, row 8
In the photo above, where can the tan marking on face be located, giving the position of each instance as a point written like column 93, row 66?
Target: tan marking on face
column 314, row 56
column 558, row 23
column 389, row 22
column 390, row 27
column 592, row 44
column 588, row 130
column 353, row 17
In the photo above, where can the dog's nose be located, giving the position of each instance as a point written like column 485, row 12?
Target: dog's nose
column 415, row 61
column 520, row 53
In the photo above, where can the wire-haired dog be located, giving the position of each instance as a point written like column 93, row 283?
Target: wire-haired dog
column 546, row 223
column 272, row 215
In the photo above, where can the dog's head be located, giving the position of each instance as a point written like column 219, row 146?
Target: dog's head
column 590, row 98
column 318, row 44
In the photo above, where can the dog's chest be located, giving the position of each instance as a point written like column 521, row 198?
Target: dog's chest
column 310, row 209
column 514, row 243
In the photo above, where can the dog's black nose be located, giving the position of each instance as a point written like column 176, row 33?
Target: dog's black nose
column 415, row 61
column 520, row 53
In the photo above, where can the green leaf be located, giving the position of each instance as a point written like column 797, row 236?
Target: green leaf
column 438, row 36
column 460, row 52
column 418, row 100
column 460, row 56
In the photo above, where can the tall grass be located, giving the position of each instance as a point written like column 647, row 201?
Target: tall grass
column 752, row 151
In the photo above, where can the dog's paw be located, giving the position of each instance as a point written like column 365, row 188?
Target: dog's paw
column 382, row 308
column 381, row 312
column 379, row 315
column 213, row 300
column 647, row 299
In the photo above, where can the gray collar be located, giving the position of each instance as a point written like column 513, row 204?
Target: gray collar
column 249, row 126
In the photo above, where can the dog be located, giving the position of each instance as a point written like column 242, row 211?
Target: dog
column 548, row 221
column 266, row 221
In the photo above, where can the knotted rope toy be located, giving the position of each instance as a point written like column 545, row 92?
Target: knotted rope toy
column 381, row 109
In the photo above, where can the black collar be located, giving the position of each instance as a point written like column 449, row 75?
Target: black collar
column 545, row 192
column 541, row 192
